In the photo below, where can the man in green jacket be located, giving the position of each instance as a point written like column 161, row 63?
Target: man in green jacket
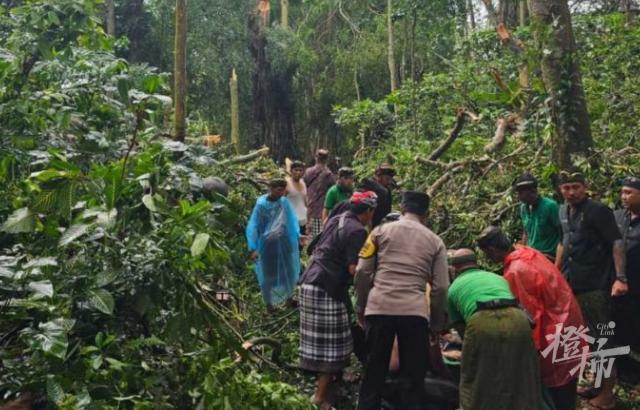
column 341, row 191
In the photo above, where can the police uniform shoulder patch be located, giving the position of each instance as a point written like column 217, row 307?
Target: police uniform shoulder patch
column 368, row 249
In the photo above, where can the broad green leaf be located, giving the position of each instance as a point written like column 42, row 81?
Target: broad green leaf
column 101, row 300
column 40, row 262
column 42, row 288
column 53, row 337
column 108, row 218
column 20, row 221
column 148, row 201
column 199, row 244
column 55, row 393
column 73, row 232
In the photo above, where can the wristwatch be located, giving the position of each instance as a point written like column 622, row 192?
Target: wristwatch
column 622, row 278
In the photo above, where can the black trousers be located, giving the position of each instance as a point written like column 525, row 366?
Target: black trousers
column 413, row 343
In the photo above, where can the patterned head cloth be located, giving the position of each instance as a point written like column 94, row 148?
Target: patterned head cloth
column 631, row 182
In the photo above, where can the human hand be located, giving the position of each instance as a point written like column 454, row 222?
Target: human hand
column 619, row 288
column 360, row 320
column 253, row 256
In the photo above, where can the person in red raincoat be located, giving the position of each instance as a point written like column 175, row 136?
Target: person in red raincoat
column 545, row 294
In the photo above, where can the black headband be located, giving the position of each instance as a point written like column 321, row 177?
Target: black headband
column 631, row 182
column 571, row 177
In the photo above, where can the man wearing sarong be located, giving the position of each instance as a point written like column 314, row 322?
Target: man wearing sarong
column 325, row 332
column 542, row 290
column 396, row 263
column 591, row 248
column 381, row 184
column 627, row 307
column 318, row 179
column 500, row 366
column 273, row 237
column 539, row 214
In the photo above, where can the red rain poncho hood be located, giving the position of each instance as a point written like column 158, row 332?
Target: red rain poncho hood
column 545, row 294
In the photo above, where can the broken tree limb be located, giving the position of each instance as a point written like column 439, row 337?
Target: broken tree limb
column 461, row 117
column 450, row 165
column 246, row 158
column 506, row 157
column 442, row 180
column 499, row 137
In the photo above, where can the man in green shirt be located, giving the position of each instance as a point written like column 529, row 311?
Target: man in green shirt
column 500, row 367
column 540, row 217
column 341, row 191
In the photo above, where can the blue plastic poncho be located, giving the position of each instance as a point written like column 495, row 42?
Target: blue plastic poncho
column 273, row 232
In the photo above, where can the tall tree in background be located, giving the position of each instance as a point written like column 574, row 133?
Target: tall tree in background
column 284, row 13
column 562, row 79
column 273, row 104
column 235, row 111
column 508, row 13
column 180, row 71
column 111, row 17
column 393, row 72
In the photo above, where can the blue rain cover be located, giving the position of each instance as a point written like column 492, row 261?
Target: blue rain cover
column 273, row 232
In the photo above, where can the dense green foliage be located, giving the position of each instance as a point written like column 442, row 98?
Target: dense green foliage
column 112, row 251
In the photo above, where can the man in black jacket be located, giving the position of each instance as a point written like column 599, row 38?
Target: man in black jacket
column 381, row 184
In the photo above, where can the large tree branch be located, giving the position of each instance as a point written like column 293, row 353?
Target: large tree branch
column 246, row 158
column 461, row 118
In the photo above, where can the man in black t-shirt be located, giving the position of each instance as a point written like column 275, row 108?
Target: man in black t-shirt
column 591, row 246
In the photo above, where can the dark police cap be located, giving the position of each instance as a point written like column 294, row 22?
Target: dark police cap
column 631, row 182
column 417, row 202
column 385, row 169
column 525, row 180
column 488, row 235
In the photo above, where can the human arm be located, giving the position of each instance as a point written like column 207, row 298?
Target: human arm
column 365, row 272
column 620, row 286
column 607, row 228
column 559, row 250
column 525, row 237
column 252, row 232
column 439, row 286
column 325, row 215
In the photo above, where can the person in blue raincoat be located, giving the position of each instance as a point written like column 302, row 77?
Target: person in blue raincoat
column 273, row 236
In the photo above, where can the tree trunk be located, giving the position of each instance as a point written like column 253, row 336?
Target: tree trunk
column 180, row 71
column 111, row 17
column 563, row 81
column 523, row 13
column 284, row 13
column 628, row 11
column 273, row 105
column 235, row 111
column 472, row 14
column 508, row 13
column 393, row 74
column 492, row 15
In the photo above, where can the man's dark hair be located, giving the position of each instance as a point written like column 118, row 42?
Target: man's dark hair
column 493, row 236
column 297, row 164
column 360, row 208
column 322, row 154
column 415, row 202
column 278, row 183
column 345, row 172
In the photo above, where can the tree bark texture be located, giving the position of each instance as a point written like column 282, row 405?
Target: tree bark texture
column 235, row 111
column 523, row 13
column 508, row 13
column 111, row 17
column 492, row 14
column 472, row 14
column 563, row 81
column 284, row 13
column 393, row 72
column 273, row 105
column 180, row 71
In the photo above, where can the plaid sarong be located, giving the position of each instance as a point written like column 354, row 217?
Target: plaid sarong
column 316, row 227
column 325, row 333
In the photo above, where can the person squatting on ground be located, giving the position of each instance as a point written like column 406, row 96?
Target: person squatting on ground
column 273, row 237
column 591, row 248
column 318, row 179
column 627, row 307
column 381, row 184
column 500, row 366
column 341, row 191
column 542, row 290
column 396, row 263
column 539, row 214
column 297, row 194
column 325, row 333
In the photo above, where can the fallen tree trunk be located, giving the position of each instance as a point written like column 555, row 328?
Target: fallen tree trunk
column 264, row 151
column 442, row 180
